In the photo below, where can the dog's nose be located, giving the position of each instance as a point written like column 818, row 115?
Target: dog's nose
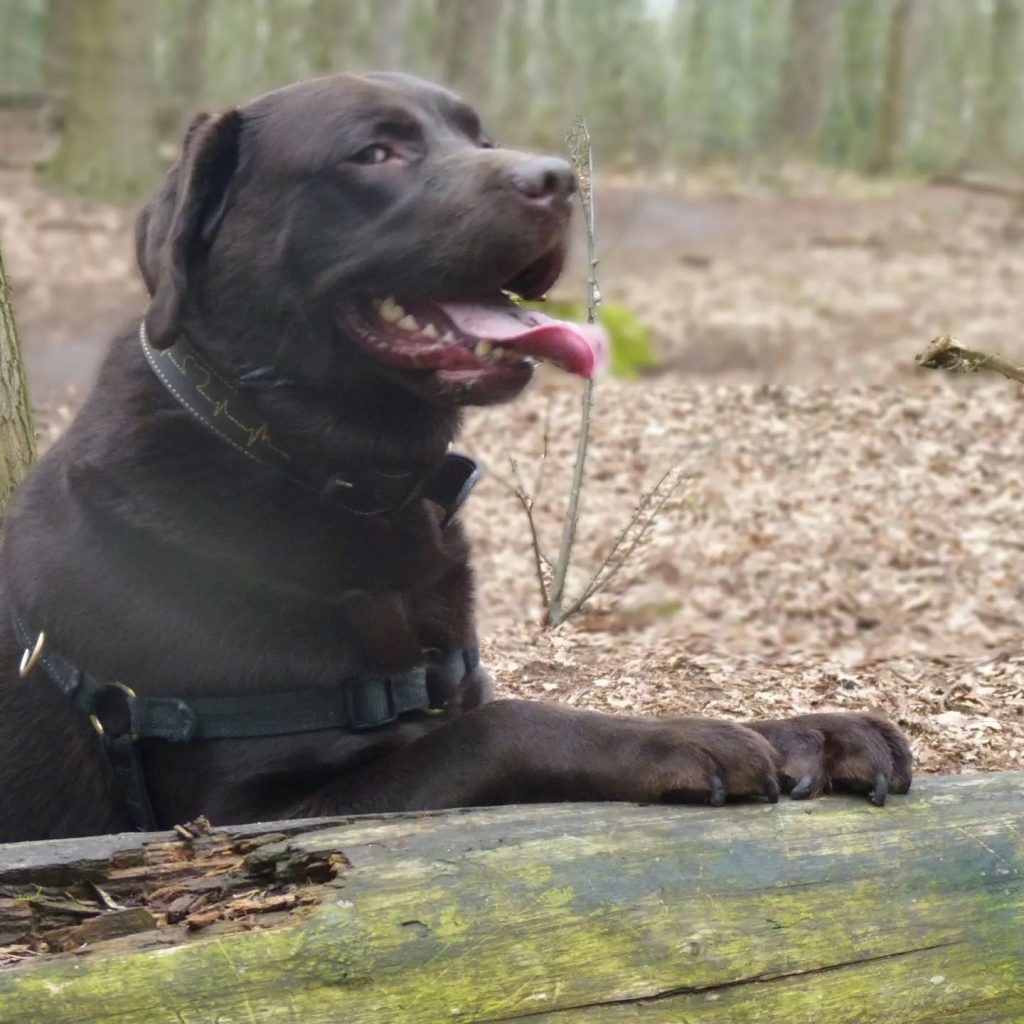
column 545, row 180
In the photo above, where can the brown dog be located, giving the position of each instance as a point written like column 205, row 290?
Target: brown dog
column 231, row 585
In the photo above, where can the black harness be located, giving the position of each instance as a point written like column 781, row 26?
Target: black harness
column 358, row 703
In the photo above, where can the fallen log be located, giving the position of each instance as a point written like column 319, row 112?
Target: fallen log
column 982, row 184
column 803, row 912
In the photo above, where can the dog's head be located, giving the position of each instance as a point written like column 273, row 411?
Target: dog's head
column 363, row 224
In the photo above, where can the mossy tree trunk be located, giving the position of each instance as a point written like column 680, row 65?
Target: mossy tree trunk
column 388, row 34
column 807, row 71
column 331, row 32
column 17, row 436
column 1003, row 94
column 469, row 31
column 108, row 147
column 893, row 105
column 798, row 913
column 57, row 54
column 188, row 76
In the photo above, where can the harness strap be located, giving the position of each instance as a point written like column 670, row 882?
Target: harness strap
column 130, row 778
column 359, row 703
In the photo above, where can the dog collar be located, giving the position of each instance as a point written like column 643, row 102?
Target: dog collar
column 219, row 406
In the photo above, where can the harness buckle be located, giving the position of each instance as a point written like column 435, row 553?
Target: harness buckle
column 30, row 656
column 369, row 703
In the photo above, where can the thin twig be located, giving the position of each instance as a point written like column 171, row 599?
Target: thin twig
column 641, row 507
column 946, row 353
column 578, row 141
column 542, row 462
column 538, row 555
column 599, row 582
column 529, row 501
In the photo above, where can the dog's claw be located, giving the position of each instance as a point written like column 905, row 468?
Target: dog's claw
column 771, row 790
column 717, row 792
column 881, row 791
column 802, row 790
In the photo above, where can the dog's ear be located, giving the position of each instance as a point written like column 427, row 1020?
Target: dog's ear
column 179, row 223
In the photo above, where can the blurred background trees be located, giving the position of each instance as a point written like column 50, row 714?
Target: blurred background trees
column 882, row 86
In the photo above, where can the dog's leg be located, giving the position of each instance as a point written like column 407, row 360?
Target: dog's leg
column 522, row 751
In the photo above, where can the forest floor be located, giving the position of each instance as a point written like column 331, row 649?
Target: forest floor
column 850, row 533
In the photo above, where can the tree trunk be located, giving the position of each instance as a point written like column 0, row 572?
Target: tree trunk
column 807, row 71
column 800, row 913
column 17, row 437
column 1003, row 94
column 279, row 43
column 695, row 106
column 469, row 30
column 57, row 55
column 388, row 34
column 108, row 146
column 189, row 71
column 331, row 30
column 892, row 112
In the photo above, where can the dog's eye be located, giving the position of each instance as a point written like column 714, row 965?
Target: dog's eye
column 375, row 154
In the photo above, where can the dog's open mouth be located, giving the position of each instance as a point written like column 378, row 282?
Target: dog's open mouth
column 429, row 335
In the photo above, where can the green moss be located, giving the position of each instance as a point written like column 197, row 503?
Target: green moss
column 846, row 914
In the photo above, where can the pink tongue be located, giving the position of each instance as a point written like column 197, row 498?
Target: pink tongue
column 581, row 349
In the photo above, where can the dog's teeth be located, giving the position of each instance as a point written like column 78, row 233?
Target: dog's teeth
column 409, row 323
column 391, row 311
column 430, row 331
column 499, row 354
column 449, row 338
column 483, row 349
column 529, row 360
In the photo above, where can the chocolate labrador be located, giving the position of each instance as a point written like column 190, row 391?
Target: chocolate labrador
column 238, row 586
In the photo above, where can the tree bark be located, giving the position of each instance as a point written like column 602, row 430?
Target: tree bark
column 893, row 104
column 807, row 71
column 331, row 30
column 1003, row 93
column 17, row 436
column 469, row 29
column 189, row 71
column 108, row 147
column 388, row 34
column 562, row 914
column 57, row 55
column 279, row 43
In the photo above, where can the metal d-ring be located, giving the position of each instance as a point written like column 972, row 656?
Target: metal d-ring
column 94, row 719
column 29, row 657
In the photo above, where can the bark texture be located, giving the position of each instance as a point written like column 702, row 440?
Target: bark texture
column 17, row 436
column 833, row 911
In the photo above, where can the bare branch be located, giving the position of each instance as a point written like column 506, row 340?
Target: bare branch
column 611, row 565
column 542, row 462
column 538, row 555
column 578, row 141
column 946, row 353
column 638, row 512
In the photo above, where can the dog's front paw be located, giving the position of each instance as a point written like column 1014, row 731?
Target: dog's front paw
column 857, row 752
column 695, row 760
